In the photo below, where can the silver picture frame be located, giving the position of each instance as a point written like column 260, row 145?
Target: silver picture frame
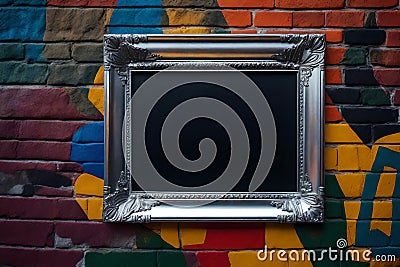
column 125, row 54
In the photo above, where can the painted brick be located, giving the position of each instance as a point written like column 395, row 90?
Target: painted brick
column 72, row 74
column 332, row 36
column 372, row 3
column 170, row 259
column 12, row 166
column 332, row 114
column 323, row 4
column 393, row 38
column 53, row 192
column 389, row 77
column 138, row 17
column 375, row 97
column 344, row 95
column 369, row 115
column 130, row 29
column 396, row 97
column 330, row 158
column 341, row 133
column 26, row 233
column 77, row 24
column 183, row 17
column 22, row 73
column 87, row 152
column 87, row 52
column 246, row 3
column 243, row 31
column 344, row 19
column 346, row 158
column 34, row 53
column 14, row 256
column 388, row 18
column 370, row 19
column 213, row 258
column 8, row 149
column 273, row 19
column 30, row 2
column 333, row 76
column 40, row 208
column 91, row 132
column 380, row 131
column 80, row 98
column 364, row 36
column 94, row 168
column 83, row 3
column 14, row 26
column 359, row 76
column 57, row 51
column 140, row 258
column 69, row 166
column 334, row 55
column 237, row 18
column 43, row 150
column 355, row 56
column 308, row 19
column 11, row 51
column 43, row 103
column 385, row 57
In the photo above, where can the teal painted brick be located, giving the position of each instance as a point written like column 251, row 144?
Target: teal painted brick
column 121, row 259
column 355, row 56
column 137, row 17
column 334, row 208
column 171, row 259
column 22, row 73
column 375, row 97
column 30, row 2
column 33, row 53
column 11, row 51
column 128, row 30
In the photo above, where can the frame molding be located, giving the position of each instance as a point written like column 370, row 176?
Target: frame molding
column 302, row 53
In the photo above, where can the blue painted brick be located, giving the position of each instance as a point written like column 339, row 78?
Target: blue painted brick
column 126, row 30
column 91, row 152
column 30, row 2
column 33, row 52
column 367, row 238
column 136, row 17
column 139, row 3
column 395, row 233
column 91, row 132
column 386, row 251
column 94, row 168
column 5, row 2
column 22, row 23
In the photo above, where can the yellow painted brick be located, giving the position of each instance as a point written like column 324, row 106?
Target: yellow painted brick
column 249, row 259
column 301, row 263
column 351, row 226
column 169, row 233
column 99, row 79
column 365, row 159
column 83, row 203
column 352, row 209
column 352, row 184
column 330, row 158
column 278, row 235
column 386, row 185
column 192, row 234
column 186, row 30
column 340, row 133
column 395, row 263
column 87, row 184
column 347, row 158
column 389, row 139
column 384, row 226
column 95, row 208
column 96, row 96
column 382, row 210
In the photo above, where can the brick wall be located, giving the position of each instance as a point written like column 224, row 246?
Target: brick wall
column 51, row 141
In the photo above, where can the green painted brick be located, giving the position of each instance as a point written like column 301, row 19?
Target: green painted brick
column 79, row 97
column 121, row 259
column 22, row 73
column 354, row 56
column 72, row 74
column 150, row 240
column 332, row 188
column 171, row 259
column 374, row 97
column 11, row 51
column 334, row 208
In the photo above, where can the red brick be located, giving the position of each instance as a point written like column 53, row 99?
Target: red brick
column 328, row 99
column 92, row 3
column 40, row 208
column 312, row 4
column 213, row 258
column 332, row 114
column 69, row 166
column 333, row 76
column 9, row 129
column 388, row 77
column 396, row 98
column 8, row 149
column 26, row 233
column 334, row 55
column 53, row 192
column 11, row 166
column 332, row 36
column 372, row 3
column 96, row 234
column 43, row 150
column 308, row 19
column 243, row 31
column 385, row 57
column 43, row 103
column 273, row 19
column 29, row 257
column 388, row 18
column 344, row 19
column 237, row 18
column 393, row 38
column 246, row 3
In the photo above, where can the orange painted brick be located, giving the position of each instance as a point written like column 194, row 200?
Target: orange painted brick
column 330, row 158
column 332, row 114
column 340, row 133
column 385, row 57
column 332, row 36
column 243, row 31
column 333, row 76
column 246, row 3
column 308, row 19
column 344, row 19
column 273, row 19
column 393, row 38
column 372, row 3
column 334, row 55
column 388, row 18
column 347, row 158
column 389, row 77
column 291, row 4
column 237, row 18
